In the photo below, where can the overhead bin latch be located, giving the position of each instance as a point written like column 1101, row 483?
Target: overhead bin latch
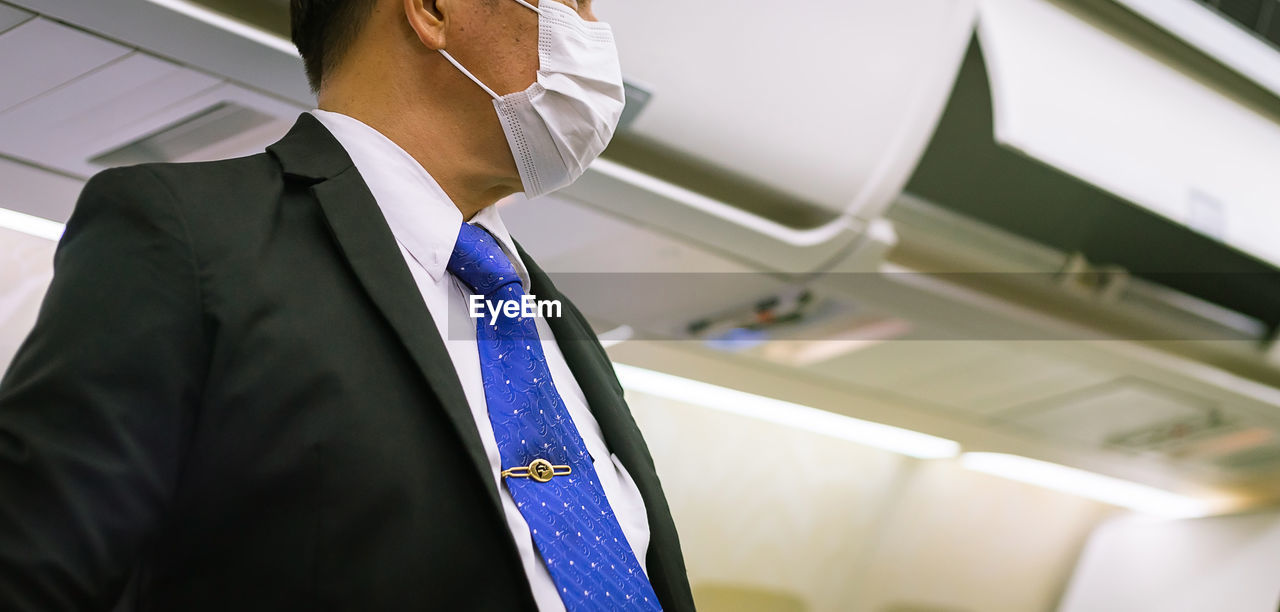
column 1103, row 282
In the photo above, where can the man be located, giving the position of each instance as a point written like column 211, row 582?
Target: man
column 242, row 392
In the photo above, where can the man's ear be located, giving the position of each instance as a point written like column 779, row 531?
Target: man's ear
column 427, row 18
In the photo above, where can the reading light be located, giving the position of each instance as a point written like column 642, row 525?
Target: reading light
column 29, row 224
column 894, row 439
column 1114, row 491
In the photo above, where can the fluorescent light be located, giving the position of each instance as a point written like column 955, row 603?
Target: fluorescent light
column 894, row 439
column 234, row 26
column 29, row 224
column 1114, row 491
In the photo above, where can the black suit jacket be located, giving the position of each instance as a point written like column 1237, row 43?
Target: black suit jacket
column 235, row 399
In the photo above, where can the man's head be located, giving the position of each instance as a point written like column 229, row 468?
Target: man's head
column 429, row 74
column 325, row 31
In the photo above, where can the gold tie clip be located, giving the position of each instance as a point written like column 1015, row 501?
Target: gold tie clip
column 540, row 470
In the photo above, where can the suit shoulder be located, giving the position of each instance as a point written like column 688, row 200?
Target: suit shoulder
column 214, row 180
column 214, row 201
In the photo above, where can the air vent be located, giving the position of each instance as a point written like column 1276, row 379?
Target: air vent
column 218, row 123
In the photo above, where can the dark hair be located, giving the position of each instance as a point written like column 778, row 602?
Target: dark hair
column 323, row 31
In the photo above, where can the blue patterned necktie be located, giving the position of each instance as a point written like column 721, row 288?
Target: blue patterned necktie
column 546, row 466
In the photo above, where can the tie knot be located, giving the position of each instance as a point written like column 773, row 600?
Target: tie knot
column 479, row 262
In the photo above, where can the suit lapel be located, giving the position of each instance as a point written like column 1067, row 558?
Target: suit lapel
column 594, row 372
column 310, row 153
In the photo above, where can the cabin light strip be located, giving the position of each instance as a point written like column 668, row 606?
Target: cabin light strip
column 234, row 26
column 30, row 224
column 894, row 439
column 1138, row 497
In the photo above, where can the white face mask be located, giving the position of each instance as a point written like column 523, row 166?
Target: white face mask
column 561, row 123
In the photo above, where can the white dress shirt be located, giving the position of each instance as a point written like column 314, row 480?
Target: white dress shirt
column 425, row 223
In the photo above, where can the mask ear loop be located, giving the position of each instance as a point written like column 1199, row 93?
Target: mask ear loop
column 473, row 78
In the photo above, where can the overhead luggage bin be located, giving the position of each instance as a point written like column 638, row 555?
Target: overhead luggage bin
column 831, row 103
column 1077, row 94
column 1064, row 131
column 1061, row 127
column 781, row 155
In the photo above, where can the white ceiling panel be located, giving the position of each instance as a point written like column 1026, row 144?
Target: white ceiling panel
column 977, row 378
column 1003, row 379
column 52, row 55
column 1032, row 378
column 107, row 108
column 188, row 33
column 11, row 16
column 894, row 364
column 1094, row 416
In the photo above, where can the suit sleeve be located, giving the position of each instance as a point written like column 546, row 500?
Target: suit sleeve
column 95, row 408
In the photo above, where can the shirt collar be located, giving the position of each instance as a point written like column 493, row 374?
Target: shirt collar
column 422, row 217
column 490, row 220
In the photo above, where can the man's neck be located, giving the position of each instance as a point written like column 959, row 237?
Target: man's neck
column 442, row 143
